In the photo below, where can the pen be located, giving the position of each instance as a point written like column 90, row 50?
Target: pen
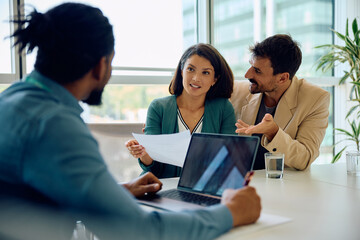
column 248, row 177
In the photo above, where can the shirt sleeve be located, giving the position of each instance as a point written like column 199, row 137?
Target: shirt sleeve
column 63, row 162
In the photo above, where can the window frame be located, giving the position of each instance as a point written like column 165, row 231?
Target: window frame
column 16, row 59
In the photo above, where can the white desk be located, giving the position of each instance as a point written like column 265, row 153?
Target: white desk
column 323, row 203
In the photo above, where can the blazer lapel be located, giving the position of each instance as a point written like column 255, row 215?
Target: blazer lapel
column 287, row 102
column 250, row 110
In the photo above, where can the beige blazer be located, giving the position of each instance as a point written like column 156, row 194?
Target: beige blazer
column 301, row 114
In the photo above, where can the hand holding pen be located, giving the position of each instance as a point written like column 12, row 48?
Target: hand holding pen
column 248, row 178
column 243, row 200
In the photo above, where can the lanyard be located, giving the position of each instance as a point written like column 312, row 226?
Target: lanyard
column 37, row 83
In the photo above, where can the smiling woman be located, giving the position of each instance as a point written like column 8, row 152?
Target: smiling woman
column 200, row 89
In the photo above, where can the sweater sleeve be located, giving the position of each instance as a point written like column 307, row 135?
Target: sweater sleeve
column 156, row 122
column 219, row 117
column 228, row 119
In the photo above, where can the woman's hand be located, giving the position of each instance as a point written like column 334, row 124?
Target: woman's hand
column 138, row 151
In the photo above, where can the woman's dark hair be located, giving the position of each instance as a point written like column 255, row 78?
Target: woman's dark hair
column 71, row 39
column 225, row 79
column 283, row 52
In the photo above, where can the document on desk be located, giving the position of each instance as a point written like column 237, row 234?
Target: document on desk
column 166, row 148
column 265, row 221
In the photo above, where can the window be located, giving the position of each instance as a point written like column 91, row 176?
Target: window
column 148, row 45
column 5, row 57
column 238, row 24
column 124, row 103
column 234, row 32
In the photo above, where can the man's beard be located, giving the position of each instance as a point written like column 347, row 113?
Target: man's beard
column 94, row 99
column 252, row 83
column 255, row 88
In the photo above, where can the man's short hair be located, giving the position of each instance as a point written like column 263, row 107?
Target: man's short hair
column 283, row 52
column 71, row 38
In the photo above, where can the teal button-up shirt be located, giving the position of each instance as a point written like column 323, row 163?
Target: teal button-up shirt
column 45, row 145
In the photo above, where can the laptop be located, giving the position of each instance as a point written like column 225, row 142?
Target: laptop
column 213, row 163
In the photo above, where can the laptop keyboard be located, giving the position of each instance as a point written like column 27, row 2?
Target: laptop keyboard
column 189, row 197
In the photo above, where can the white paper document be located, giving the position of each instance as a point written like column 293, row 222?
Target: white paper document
column 166, row 148
column 265, row 221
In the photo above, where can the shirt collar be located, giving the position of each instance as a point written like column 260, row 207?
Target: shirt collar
column 57, row 91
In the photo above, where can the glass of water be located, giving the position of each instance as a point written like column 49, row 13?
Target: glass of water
column 353, row 163
column 274, row 165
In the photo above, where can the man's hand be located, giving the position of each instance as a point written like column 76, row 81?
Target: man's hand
column 146, row 183
column 244, row 205
column 267, row 126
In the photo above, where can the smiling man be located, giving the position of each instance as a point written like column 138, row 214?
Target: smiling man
column 289, row 114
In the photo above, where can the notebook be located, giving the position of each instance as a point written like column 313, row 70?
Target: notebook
column 213, row 163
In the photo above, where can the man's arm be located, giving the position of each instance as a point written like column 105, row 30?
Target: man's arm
column 234, row 200
column 74, row 175
column 301, row 150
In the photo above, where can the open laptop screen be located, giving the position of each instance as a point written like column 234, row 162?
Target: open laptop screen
column 215, row 162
